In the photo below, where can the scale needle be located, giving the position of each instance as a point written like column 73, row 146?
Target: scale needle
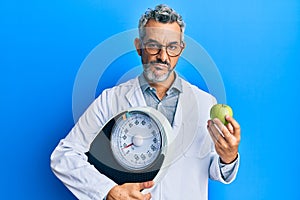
column 127, row 146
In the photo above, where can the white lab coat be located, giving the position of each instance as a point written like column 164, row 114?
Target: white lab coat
column 195, row 159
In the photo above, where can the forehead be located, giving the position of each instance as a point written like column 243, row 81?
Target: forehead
column 161, row 32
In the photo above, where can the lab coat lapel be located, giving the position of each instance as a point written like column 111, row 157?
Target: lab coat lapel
column 185, row 122
column 134, row 95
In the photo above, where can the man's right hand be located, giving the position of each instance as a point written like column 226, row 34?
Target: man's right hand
column 130, row 191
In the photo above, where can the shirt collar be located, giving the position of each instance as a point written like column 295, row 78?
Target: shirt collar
column 177, row 85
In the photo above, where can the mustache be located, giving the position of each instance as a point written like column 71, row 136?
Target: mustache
column 160, row 62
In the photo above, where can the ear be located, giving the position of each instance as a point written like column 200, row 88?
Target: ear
column 138, row 46
column 183, row 47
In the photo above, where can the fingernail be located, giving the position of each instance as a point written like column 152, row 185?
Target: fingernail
column 209, row 122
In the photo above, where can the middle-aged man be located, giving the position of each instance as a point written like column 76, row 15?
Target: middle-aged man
column 201, row 153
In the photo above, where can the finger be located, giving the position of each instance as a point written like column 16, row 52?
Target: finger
column 230, row 128
column 217, row 134
column 227, row 140
column 218, row 125
column 144, row 185
column 136, row 195
column 222, row 129
column 219, row 145
column 213, row 137
column 147, row 196
column 235, row 125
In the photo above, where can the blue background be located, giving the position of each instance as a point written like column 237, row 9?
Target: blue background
column 254, row 43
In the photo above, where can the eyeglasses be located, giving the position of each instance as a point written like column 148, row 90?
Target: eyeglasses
column 154, row 48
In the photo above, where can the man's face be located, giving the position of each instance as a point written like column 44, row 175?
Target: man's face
column 157, row 68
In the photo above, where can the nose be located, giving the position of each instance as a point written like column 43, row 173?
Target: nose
column 162, row 55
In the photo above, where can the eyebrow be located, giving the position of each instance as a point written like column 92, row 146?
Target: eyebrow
column 152, row 40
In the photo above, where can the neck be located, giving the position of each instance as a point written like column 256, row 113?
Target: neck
column 162, row 87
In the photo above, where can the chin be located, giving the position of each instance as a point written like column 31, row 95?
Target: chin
column 156, row 78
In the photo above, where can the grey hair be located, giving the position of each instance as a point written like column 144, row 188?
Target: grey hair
column 163, row 14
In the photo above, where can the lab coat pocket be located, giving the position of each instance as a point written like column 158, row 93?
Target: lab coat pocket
column 201, row 145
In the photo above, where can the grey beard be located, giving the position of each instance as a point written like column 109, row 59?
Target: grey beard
column 150, row 75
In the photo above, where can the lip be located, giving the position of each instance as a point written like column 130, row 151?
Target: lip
column 160, row 66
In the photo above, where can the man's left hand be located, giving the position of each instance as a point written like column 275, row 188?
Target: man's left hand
column 226, row 138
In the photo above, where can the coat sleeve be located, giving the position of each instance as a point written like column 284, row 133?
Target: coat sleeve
column 68, row 160
column 216, row 171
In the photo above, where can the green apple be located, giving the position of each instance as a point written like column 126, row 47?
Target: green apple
column 220, row 111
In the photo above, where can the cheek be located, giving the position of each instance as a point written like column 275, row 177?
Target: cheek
column 174, row 61
column 146, row 58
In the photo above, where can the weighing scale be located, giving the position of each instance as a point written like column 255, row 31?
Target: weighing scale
column 133, row 146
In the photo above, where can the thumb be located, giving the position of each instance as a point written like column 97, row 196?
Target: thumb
column 144, row 185
column 147, row 196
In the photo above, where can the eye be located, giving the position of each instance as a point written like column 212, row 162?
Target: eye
column 173, row 47
column 153, row 45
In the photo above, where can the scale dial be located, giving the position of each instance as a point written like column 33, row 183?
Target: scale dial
column 136, row 140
